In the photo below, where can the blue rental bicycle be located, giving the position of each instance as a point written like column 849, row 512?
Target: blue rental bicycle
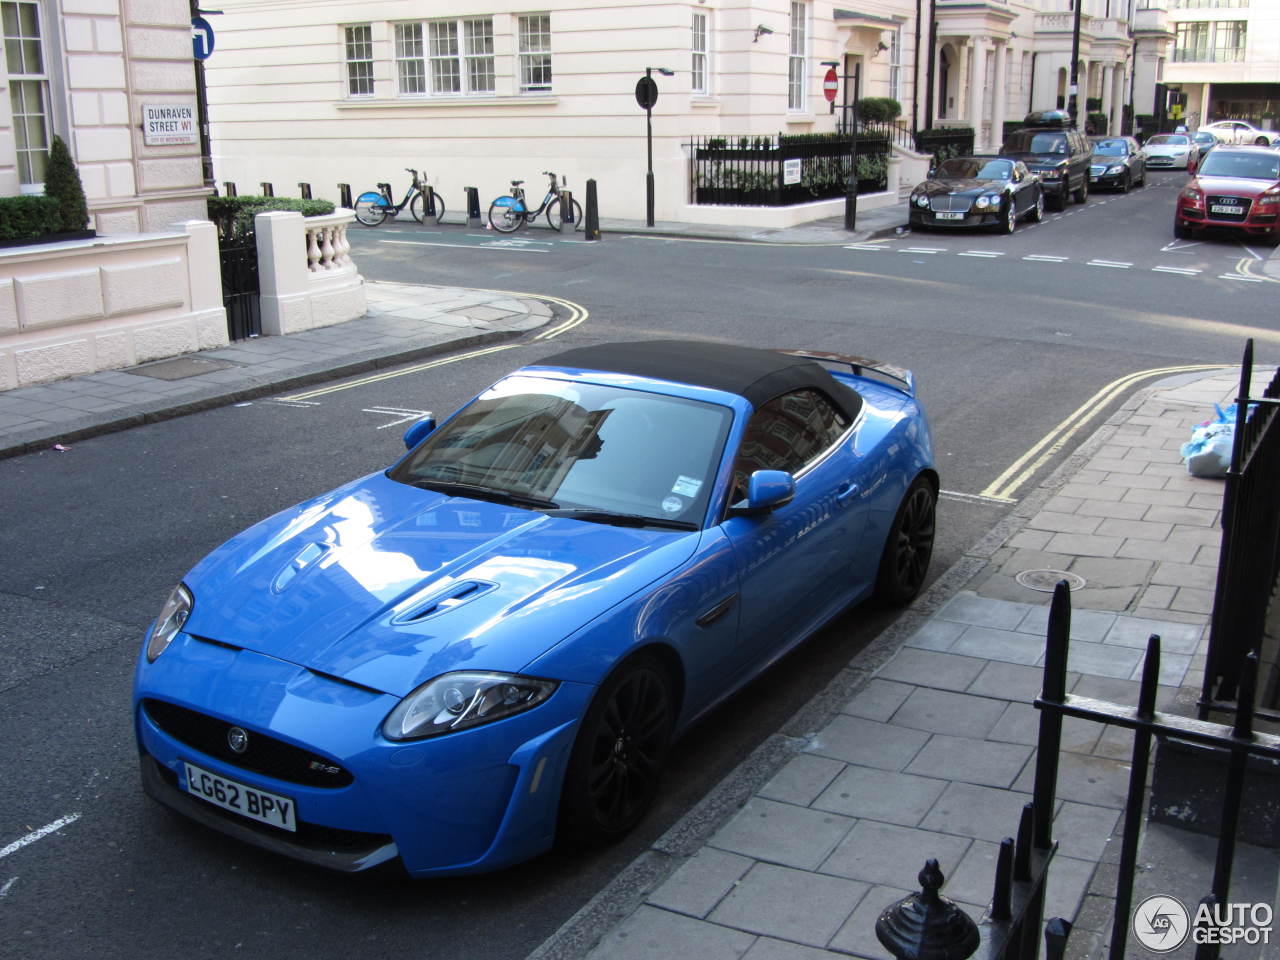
column 374, row 206
column 510, row 213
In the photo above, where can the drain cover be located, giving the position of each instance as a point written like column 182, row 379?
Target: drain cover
column 1046, row 580
column 179, row 368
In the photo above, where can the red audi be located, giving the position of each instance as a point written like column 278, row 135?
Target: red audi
column 1235, row 188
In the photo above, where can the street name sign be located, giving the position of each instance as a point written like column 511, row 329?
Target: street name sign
column 166, row 124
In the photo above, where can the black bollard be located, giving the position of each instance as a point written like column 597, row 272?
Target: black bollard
column 927, row 925
column 231, row 188
column 267, row 189
column 344, row 195
column 428, row 201
column 305, row 189
column 592, row 214
column 473, row 207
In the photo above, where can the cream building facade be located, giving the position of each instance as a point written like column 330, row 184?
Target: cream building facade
column 481, row 92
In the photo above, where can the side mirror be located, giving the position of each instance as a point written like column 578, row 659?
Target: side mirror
column 767, row 490
column 419, row 431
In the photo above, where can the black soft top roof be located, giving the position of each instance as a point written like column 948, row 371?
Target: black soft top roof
column 757, row 375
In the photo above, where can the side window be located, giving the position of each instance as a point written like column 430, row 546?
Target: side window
column 787, row 433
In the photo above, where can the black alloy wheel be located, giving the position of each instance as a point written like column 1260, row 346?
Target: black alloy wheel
column 1010, row 221
column 618, row 754
column 909, row 547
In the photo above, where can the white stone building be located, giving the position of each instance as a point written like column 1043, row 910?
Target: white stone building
column 147, row 287
column 480, row 92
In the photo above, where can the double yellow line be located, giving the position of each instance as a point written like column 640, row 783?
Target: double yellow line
column 577, row 316
column 1022, row 469
column 1243, row 267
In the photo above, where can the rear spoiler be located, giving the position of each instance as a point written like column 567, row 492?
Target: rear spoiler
column 902, row 378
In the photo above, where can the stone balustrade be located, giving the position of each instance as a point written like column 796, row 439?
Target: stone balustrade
column 306, row 272
column 327, row 246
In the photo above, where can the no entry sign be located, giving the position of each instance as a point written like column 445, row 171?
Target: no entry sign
column 830, row 84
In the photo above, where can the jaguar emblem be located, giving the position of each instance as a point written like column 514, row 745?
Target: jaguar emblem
column 237, row 740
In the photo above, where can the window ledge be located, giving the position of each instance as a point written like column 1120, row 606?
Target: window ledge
column 532, row 100
column 701, row 101
column 801, row 118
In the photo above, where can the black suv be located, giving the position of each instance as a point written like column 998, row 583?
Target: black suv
column 1059, row 153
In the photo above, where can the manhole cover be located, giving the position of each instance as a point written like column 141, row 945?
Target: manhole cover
column 179, row 368
column 1046, row 580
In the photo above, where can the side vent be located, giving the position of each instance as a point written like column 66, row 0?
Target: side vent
column 464, row 591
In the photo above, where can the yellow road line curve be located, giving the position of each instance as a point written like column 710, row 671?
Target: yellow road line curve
column 577, row 316
column 1022, row 469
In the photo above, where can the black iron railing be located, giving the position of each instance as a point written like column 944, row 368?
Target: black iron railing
column 776, row 171
column 943, row 143
column 1249, row 559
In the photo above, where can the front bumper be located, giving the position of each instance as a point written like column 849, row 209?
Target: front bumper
column 973, row 218
column 1254, row 224
column 1104, row 180
column 1169, row 163
column 476, row 800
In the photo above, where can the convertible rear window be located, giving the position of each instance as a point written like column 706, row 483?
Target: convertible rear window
column 580, row 446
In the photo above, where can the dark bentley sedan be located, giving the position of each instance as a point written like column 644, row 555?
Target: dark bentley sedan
column 1118, row 162
column 977, row 192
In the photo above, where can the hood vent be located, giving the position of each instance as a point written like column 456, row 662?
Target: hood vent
column 464, row 591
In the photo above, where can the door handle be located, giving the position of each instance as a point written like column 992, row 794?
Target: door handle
column 846, row 492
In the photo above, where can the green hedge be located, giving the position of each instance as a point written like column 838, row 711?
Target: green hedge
column 28, row 217
column 234, row 215
column 879, row 109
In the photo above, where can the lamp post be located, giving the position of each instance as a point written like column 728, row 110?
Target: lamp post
column 1074, row 90
column 647, row 96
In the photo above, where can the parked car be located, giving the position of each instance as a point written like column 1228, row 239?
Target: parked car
column 984, row 191
column 490, row 645
column 1240, row 131
column 1235, row 189
column 1118, row 162
column 1204, row 143
column 1170, row 151
column 1054, row 150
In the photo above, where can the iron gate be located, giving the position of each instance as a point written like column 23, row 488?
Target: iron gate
column 240, row 289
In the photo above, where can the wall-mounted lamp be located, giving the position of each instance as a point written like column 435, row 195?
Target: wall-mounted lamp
column 761, row 31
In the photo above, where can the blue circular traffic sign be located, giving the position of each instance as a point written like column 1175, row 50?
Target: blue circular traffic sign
column 201, row 38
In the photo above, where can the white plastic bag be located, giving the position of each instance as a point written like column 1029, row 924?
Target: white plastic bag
column 1208, row 452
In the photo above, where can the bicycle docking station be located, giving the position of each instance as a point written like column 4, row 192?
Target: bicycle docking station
column 473, row 208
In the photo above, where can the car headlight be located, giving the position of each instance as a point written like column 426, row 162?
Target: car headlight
column 173, row 615
column 1270, row 198
column 458, row 701
column 982, row 203
column 1054, row 174
column 1117, row 168
column 922, row 200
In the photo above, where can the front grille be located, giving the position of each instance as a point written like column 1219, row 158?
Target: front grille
column 313, row 836
column 950, row 204
column 265, row 755
column 1241, row 202
column 1097, row 170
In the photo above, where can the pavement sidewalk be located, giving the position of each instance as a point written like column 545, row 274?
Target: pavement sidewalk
column 924, row 746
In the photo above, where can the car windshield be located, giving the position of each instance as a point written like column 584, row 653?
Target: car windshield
column 1111, row 148
column 1168, row 140
column 577, row 446
column 1249, row 166
column 1204, row 138
column 1026, row 141
column 976, row 168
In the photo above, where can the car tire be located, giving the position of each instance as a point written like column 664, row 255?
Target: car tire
column 1125, row 183
column 1009, row 222
column 1082, row 195
column 617, row 757
column 909, row 546
column 1143, row 181
column 1037, row 210
column 1261, row 142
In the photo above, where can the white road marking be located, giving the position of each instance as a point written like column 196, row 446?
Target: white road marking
column 1113, row 264
column 285, row 401
column 1045, row 258
column 4, row 891
column 864, row 246
column 491, row 245
column 1236, row 276
column 922, row 250
column 404, row 415
column 986, row 254
column 974, row 498
column 1185, row 271
column 35, row 835
column 1180, row 245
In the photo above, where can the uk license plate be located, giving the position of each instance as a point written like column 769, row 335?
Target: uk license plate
column 949, row 216
column 269, row 808
column 1226, row 208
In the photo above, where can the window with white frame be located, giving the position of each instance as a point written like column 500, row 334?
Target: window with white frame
column 28, row 89
column 359, row 44
column 411, row 68
column 701, row 54
column 797, row 67
column 895, row 63
column 534, row 50
column 461, row 53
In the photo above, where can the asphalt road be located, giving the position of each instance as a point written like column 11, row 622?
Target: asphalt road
column 1009, row 337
